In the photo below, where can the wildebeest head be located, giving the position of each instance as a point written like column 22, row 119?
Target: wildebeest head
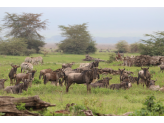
column 2, row 81
column 121, row 71
column 145, row 70
column 14, row 67
column 26, row 83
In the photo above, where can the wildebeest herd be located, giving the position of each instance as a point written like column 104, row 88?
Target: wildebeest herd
column 86, row 73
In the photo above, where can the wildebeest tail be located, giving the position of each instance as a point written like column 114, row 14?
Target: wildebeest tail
column 40, row 75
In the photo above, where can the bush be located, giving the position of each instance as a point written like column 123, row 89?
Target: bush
column 36, row 81
column 112, row 58
column 152, row 108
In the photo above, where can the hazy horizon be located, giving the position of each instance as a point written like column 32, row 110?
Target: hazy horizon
column 105, row 24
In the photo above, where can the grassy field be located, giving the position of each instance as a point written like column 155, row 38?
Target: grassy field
column 102, row 100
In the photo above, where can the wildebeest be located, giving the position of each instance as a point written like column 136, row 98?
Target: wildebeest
column 36, row 60
column 152, row 85
column 19, row 87
column 145, row 76
column 67, row 65
column 123, row 75
column 133, row 79
column 12, row 73
column 124, row 85
column 102, row 83
column 43, row 72
column 86, row 76
column 29, row 75
column 2, row 81
column 161, row 67
column 53, row 76
column 27, row 67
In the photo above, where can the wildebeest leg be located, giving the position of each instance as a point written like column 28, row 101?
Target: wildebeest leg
column 88, row 88
column 67, row 87
column 60, row 82
column 11, row 82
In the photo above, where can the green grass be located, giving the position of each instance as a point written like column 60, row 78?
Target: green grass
column 102, row 100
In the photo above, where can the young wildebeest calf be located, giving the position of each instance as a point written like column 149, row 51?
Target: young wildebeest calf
column 2, row 81
column 19, row 87
column 20, row 76
column 43, row 72
column 12, row 74
column 101, row 83
column 124, row 85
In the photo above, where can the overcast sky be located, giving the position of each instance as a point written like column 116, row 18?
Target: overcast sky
column 102, row 21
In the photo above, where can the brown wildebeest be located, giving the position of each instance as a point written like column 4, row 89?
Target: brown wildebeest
column 29, row 76
column 12, row 73
column 2, row 81
column 53, row 76
column 43, row 72
column 123, row 75
column 145, row 76
column 86, row 76
column 133, row 79
column 102, row 83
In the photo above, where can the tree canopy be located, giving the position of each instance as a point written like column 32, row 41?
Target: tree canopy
column 78, row 40
column 154, row 45
column 26, row 26
column 122, row 46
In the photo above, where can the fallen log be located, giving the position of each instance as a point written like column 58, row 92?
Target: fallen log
column 8, row 105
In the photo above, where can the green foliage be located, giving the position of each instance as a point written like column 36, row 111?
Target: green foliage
column 134, row 48
column 1, row 114
column 26, row 26
column 13, row 46
column 78, row 40
column 154, row 45
column 75, row 110
column 152, row 108
column 112, row 58
column 36, row 81
column 21, row 106
column 122, row 46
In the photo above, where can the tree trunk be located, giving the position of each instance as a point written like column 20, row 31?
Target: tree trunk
column 8, row 105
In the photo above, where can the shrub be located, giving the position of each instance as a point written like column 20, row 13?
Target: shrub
column 36, row 81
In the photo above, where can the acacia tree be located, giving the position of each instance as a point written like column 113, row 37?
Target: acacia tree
column 122, row 46
column 154, row 45
column 77, row 39
column 26, row 26
column 134, row 48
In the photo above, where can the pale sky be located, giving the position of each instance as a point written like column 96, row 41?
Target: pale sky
column 102, row 21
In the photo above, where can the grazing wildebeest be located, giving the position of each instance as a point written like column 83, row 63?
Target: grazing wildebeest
column 145, row 76
column 102, row 83
column 12, row 73
column 124, row 85
column 53, row 76
column 67, row 65
column 29, row 75
column 18, row 88
column 86, row 76
column 27, row 67
column 43, row 72
column 161, row 67
column 2, row 81
column 123, row 75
